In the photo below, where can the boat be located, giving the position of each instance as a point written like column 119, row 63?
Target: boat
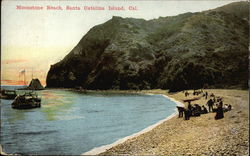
column 35, row 84
column 26, row 101
column 8, row 94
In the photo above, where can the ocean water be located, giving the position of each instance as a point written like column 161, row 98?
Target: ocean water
column 71, row 123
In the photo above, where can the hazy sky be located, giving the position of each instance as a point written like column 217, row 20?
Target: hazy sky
column 35, row 39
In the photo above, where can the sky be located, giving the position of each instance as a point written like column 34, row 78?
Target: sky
column 33, row 40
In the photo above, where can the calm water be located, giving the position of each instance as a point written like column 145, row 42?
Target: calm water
column 72, row 123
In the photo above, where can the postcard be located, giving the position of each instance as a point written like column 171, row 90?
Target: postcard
column 124, row 77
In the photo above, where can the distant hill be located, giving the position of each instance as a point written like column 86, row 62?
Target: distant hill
column 191, row 50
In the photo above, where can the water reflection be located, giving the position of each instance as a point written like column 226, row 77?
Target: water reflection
column 12, row 115
column 56, row 103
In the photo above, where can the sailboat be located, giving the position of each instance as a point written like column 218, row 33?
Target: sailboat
column 27, row 100
column 34, row 84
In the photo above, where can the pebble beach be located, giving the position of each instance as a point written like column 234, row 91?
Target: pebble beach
column 201, row 135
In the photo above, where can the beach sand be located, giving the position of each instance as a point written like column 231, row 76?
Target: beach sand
column 198, row 136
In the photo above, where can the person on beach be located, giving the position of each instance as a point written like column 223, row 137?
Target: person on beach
column 214, row 99
column 219, row 112
column 194, row 92
column 221, row 103
column 206, row 95
column 191, row 109
column 187, row 114
column 229, row 107
column 180, row 110
column 197, row 110
column 210, row 104
column 204, row 110
column 189, row 105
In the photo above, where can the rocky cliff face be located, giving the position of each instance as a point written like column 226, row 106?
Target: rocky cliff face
column 191, row 50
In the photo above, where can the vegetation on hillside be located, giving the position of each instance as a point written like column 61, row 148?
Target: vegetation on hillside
column 191, row 50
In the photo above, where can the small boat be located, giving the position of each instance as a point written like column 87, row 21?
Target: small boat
column 26, row 101
column 8, row 94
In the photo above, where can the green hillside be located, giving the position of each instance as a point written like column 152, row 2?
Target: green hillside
column 191, row 50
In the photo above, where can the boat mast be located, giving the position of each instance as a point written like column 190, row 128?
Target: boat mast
column 19, row 78
column 32, row 75
column 24, row 79
column 32, row 80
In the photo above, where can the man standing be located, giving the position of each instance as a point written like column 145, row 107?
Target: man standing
column 210, row 104
column 206, row 95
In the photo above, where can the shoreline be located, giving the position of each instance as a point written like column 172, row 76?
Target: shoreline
column 201, row 135
column 101, row 149
column 198, row 136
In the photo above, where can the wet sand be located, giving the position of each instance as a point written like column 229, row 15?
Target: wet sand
column 198, row 136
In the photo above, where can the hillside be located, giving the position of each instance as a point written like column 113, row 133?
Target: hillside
column 191, row 50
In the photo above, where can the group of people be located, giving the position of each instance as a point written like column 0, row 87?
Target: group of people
column 215, row 104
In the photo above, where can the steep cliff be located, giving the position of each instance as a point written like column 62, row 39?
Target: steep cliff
column 191, row 50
